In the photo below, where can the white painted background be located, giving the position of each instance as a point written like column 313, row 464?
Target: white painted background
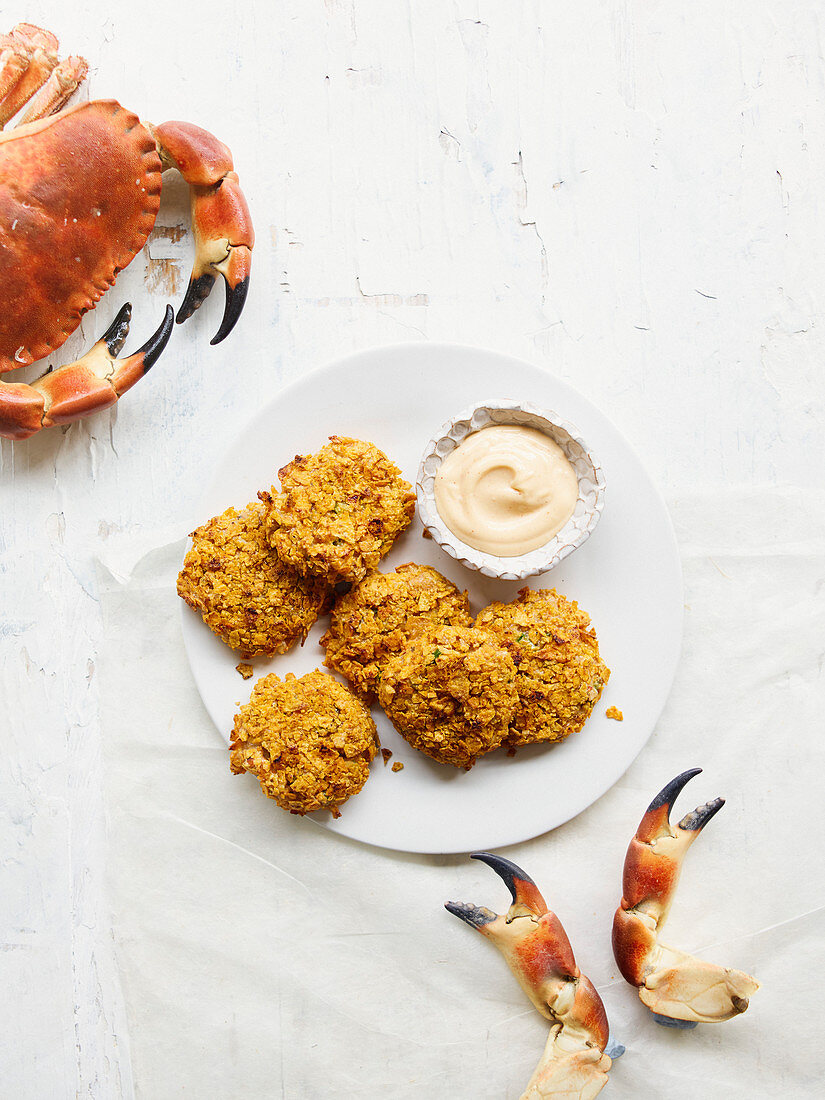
column 626, row 192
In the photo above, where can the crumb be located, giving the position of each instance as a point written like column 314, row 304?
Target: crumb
column 398, row 766
column 512, row 750
column 386, row 753
column 245, row 670
column 425, row 534
column 614, row 712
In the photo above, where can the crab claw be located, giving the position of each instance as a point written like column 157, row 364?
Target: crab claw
column 564, row 1074
column 674, row 985
column 224, row 237
column 527, row 901
column 531, row 938
column 91, row 383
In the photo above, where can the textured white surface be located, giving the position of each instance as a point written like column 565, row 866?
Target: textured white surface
column 626, row 193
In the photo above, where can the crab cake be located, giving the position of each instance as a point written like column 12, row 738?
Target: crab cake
column 246, row 596
column 339, row 511
column 451, row 694
column 560, row 674
column 309, row 741
column 379, row 616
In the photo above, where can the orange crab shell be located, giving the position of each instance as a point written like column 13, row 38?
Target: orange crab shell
column 66, row 232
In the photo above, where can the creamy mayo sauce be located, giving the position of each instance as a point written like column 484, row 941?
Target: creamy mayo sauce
column 506, row 490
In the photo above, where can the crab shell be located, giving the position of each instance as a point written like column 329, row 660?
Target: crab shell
column 65, row 233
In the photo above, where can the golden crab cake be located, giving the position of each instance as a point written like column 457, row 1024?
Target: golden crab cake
column 247, row 597
column 378, row 617
column 560, row 674
column 309, row 741
column 339, row 511
column 451, row 693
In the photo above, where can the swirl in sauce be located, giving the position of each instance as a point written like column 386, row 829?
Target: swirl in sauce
column 506, row 490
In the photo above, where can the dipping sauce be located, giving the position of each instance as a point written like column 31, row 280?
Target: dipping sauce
column 506, row 490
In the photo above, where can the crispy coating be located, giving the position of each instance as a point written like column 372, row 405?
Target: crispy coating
column 379, row 616
column 309, row 741
column 247, row 597
column 451, row 694
column 560, row 674
column 339, row 511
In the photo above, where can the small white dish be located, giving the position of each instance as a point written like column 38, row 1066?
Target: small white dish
column 578, row 528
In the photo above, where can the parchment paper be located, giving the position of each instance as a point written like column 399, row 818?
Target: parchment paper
column 262, row 956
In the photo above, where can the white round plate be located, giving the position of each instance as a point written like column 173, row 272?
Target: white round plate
column 627, row 577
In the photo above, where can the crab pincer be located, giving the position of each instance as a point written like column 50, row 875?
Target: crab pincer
column 574, row 1065
column 224, row 237
column 676, row 987
column 99, row 378
column 89, row 384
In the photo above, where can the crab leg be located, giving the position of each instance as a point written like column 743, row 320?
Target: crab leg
column 224, row 237
column 91, row 383
column 37, row 53
column 675, row 986
column 531, row 938
column 14, row 60
column 58, row 89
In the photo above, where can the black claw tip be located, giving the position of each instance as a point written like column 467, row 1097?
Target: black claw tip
column 115, row 335
column 670, row 792
column 235, row 301
column 196, row 293
column 157, row 342
column 505, row 869
column 697, row 819
column 476, row 915
column 614, row 1050
column 668, row 1021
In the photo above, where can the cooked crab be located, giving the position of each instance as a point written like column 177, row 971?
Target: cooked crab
column 679, row 989
column 79, row 194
